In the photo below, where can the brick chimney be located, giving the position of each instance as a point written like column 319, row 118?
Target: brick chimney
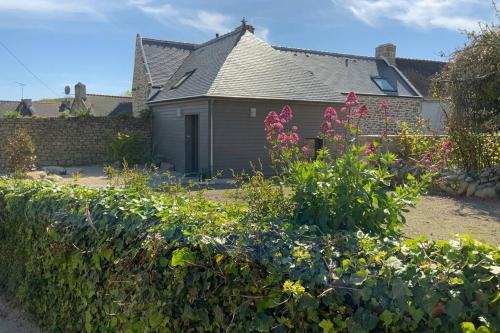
column 386, row 51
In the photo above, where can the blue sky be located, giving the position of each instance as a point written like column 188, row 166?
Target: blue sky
column 92, row 41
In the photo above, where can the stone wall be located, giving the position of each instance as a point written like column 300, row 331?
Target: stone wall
column 484, row 184
column 140, row 82
column 401, row 109
column 73, row 141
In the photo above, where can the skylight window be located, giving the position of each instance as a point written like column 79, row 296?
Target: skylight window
column 383, row 84
column 183, row 79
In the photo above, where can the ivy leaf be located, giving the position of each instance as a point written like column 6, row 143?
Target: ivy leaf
column 467, row 327
column 386, row 317
column 327, row 326
column 183, row 257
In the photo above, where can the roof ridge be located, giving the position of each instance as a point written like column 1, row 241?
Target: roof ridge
column 165, row 41
column 115, row 96
column 6, row 101
column 424, row 60
column 296, row 49
column 239, row 29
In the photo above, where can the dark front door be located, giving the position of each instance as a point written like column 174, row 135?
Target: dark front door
column 191, row 143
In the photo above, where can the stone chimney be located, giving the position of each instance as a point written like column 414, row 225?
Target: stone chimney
column 386, row 51
column 80, row 91
column 80, row 98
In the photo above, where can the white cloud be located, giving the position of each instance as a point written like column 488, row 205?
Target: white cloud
column 262, row 33
column 51, row 7
column 447, row 14
column 209, row 22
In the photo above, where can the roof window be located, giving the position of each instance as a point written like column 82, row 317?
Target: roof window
column 383, row 84
column 183, row 79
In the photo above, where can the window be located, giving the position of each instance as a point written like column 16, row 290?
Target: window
column 383, row 84
column 183, row 79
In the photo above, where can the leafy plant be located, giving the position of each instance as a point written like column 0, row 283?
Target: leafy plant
column 65, row 114
column 126, row 147
column 146, row 113
column 83, row 113
column 130, row 177
column 345, row 188
column 19, row 152
column 123, row 260
column 12, row 115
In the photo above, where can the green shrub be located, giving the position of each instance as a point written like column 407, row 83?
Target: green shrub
column 65, row 114
column 126, row 147
column 19, row 152
column 119, row 260
column 12, row 115
column 146, row 113
column 83, row 113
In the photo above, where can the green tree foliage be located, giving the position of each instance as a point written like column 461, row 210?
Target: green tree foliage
column 19, row 152
column 471, row 83
column 126, row 147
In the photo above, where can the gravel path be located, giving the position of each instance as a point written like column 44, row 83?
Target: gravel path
column 13, row 320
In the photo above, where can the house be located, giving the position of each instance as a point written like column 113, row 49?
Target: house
column 98, row 105
column 420, row 73
column 209, row 100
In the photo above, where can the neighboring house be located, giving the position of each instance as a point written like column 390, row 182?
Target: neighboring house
column 98, row 105
column 209, row 100
column 420, row 73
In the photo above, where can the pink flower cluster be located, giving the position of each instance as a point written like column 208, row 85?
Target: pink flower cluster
column 274, row 125
column 370, row 149
column 437, row 159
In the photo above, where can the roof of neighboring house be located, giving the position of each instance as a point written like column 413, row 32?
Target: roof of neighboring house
column 240, row 65
column 100, row 106
column 6, row 106
column 420, row 72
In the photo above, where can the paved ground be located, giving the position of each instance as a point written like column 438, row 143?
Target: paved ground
column 13, row 320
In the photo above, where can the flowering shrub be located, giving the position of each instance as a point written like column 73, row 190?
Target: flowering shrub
column 421, row 149
column 345, row 188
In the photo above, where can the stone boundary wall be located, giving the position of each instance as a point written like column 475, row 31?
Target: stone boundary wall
column 73, row 141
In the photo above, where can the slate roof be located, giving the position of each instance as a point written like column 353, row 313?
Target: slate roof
column 240, row 65
column 420, row 72
column 163, row 58
column 101, row 106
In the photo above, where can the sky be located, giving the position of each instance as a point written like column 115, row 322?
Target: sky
column 48, row 44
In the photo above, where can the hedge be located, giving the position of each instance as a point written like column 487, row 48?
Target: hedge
column 119, row 260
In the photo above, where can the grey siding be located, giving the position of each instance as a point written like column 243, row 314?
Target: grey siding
column 169, row 133
column 240, row 140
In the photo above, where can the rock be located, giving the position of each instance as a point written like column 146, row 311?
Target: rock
column 469, row 179
column 54, row 170
column 486, row 193
column 461, row 177
column 471, row 189
column 451, row 178
column 485, row 173
column 462, row 188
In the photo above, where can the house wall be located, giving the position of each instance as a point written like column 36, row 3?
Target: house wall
column 239, row 140
column 434, row 111
column 401, row 109
column 74, row 141
column 140, row 82
column 169, row 133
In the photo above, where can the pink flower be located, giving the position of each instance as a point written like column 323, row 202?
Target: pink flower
column 306, row 150
column 286, row 139
column 387, row 118
column 384, row 106
column 351, row 99
column 286, row 114
column 447, row 145
column 330, row 113
column 362, row 112
column 271, row 120
column 343, row 109
column 339, row 137
column 370, row 149
column 294, row 128
column 326, row 127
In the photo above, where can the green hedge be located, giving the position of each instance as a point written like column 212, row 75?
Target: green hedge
column 118, row 260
